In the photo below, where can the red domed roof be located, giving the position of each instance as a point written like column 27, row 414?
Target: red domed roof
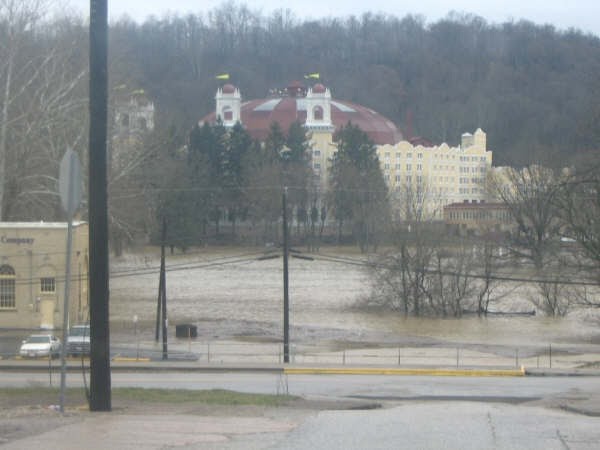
column 318, row 88
column 257, row 116
column 228, row 89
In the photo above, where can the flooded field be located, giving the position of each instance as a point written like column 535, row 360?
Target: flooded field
column 231, row 294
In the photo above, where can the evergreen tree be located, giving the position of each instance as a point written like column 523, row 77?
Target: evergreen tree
column 358, row 191
column 208, row 143
column 239, row 143
column 298, row 171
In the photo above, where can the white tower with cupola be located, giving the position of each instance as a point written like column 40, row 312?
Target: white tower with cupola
column 318, row 109
column 229, row 105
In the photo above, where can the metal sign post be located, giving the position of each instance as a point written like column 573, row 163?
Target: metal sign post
column 69, row 183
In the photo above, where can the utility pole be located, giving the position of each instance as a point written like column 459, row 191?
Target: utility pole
column 286, row 300
column 163, row 274
column 100, row 390
column 161, row 307
column 160, row 288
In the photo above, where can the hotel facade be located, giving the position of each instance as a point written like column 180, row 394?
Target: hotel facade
column 441, row 175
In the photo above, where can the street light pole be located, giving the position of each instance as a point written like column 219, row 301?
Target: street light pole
column 286, row 300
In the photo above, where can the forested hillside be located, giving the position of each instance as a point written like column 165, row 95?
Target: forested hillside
column 534, row 89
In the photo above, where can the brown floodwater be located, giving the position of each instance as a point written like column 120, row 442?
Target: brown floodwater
column 245, row 299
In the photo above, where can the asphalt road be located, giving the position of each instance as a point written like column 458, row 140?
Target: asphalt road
column 423, row 412
column 380, row 388
column 383, row 387
column 462, row 425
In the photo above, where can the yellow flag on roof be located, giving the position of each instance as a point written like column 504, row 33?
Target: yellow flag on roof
column 223, row 76
column 315, row 75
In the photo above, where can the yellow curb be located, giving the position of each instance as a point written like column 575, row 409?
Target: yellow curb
column 389, row 371
column 125, row 359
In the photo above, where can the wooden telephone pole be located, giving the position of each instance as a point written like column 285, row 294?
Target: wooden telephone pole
column 161, row 307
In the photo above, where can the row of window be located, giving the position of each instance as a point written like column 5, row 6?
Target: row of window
column 408, row 178
column 419, row 167
column 438, row 156
column 434, row 156
column 481, row 169
column 472, row 180
column 473, row 158
column 398, row 155
column 317, row 153
column 469, row 191
column 8, row 287
column 443, row 179
column 479, row 215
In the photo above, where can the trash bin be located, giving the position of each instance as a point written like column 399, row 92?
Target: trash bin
column 186, row 330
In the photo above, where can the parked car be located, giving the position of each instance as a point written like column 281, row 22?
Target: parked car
column 78, row 341
column 40, row 345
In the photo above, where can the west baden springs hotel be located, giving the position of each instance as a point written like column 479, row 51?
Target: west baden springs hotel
column 446, row 174
column 33, row 255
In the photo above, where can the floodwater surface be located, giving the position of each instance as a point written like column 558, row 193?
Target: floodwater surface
column 236, row 295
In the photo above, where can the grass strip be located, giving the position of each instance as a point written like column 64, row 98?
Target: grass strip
column 209, row 397
column 49, row 395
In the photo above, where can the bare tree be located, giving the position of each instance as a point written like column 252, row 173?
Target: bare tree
column 405, row 278
column 17, row 19
column 554, row 297
column 488, row 262
column 579, row 208
column 43, row 106
column 530, row 195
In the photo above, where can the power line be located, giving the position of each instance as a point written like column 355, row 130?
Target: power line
column 368, row 264
column 254, row 256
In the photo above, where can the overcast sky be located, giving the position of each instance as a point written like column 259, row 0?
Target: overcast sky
column 563, row 14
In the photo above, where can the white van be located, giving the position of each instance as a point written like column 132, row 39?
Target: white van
column 78, row 341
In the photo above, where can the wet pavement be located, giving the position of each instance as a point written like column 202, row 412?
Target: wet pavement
column 429, row 425
column 419, row 418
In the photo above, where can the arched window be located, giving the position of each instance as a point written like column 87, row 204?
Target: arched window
column 142, row 124
column 318, row 113
column 7, row 287
column 125, row 120
column 227, row 114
